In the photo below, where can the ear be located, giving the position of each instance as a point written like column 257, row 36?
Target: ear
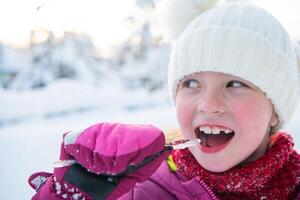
column 274, row 120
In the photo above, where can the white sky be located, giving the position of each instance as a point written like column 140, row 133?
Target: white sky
column 102, row 19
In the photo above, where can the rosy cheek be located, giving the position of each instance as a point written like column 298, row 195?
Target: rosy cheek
column 184, row 113
column 243, row 113
column 249, row 114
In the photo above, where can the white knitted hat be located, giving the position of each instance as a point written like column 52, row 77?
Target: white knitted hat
column 244, row 41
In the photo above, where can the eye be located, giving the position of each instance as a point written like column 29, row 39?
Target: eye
column 236, row 84
column 190, row 83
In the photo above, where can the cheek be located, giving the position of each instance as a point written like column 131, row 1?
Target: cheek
column 253, row 114
column 253, row 117
column 244, row 113
column 184, row 113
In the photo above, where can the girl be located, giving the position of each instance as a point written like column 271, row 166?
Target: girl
column 234, row 81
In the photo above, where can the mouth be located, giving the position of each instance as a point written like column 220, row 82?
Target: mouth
column 213, row 138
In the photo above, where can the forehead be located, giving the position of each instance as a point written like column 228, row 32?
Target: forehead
column 211, row 74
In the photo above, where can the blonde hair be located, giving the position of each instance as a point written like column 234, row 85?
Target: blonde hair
column 173, row 134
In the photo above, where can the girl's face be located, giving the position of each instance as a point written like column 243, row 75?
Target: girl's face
column 230, row 115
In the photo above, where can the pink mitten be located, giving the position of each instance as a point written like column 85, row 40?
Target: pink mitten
column 105, row 160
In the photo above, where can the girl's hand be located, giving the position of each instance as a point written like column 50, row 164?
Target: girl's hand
column 105, row 160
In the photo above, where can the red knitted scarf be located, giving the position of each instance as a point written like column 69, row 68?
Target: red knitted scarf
column 274, row 176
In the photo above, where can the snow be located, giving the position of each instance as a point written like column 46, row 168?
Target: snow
column 30, row 141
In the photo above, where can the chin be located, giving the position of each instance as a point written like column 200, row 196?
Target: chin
column 214, row 164
column 216, row 169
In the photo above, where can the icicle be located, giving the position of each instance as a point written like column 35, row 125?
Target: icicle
column 182, row 144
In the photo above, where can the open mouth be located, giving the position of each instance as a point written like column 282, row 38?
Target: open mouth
column 213, row 137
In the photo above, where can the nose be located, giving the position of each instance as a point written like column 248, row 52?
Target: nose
column 211, row 102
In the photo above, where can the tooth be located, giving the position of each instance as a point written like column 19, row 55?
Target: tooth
column 215, row 130
column 201, row 128
column 207, row 130
column 227, row 131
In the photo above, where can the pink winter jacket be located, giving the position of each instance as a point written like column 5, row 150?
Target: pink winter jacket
column 163, row 184
column 168, row 185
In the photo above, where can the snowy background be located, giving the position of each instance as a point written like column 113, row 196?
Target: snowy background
column 59, row 83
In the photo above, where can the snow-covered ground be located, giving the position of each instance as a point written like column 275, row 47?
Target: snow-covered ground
column 32, row 122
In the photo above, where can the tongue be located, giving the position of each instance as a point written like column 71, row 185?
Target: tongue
column 216, row 140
